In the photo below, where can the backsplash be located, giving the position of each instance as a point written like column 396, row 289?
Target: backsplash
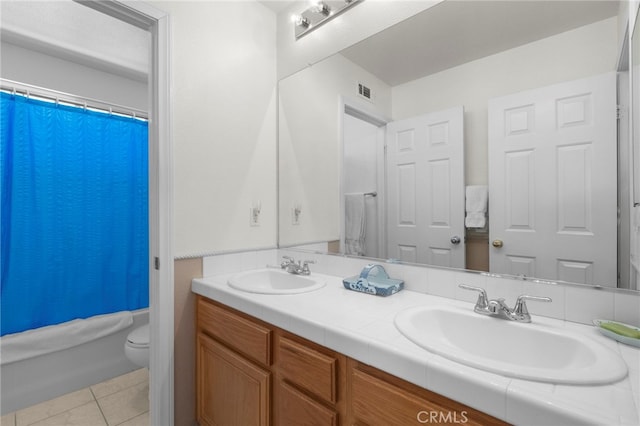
column 570, row 302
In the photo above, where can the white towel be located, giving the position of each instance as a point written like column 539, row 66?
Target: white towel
column 354, row 224
column 44, row 340
column 477, row 197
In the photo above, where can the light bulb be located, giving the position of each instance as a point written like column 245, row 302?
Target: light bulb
column 321, row 7
column 300, row 21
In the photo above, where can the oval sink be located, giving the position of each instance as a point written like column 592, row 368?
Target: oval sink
column 275, row 281
column 525, row 351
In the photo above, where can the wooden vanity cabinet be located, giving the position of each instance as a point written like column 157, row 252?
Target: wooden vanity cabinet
column 251, row 373
column 233, row 367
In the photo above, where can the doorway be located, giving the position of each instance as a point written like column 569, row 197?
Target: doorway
column 161, row 290
column 362, row 190
column 408, row 176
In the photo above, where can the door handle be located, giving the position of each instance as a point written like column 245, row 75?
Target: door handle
column 497, row 243
column 455, row 240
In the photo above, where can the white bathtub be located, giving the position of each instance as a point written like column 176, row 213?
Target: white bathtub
column 33, row 380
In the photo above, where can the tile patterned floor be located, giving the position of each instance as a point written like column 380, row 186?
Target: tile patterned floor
column 122, row 401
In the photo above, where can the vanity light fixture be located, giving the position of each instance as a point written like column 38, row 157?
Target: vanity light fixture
column 318, row 13
column 300, row 21
column 322, row 8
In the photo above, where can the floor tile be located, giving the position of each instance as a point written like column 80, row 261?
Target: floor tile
column 120, row 383
column 85, row 415
column 125, row 404
column 53, row 407
column 8, row 420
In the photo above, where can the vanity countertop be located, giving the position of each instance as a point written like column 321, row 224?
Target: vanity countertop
column 362, row 326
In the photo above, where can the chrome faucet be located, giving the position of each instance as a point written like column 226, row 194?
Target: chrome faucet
column 497, row 308
column 297, row 268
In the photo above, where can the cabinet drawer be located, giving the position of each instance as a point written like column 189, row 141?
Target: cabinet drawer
column 308, row 368
column 376, row 402
column 295, row 408
column 249, row 338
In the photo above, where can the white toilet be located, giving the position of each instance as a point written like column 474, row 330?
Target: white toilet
column 137, row 346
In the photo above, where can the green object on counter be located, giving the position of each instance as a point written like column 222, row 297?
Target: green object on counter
column 621, row 329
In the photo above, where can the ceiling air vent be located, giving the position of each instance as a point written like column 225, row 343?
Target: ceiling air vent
column 364, row 92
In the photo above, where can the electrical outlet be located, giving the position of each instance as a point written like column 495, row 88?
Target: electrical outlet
column 295, row 214
column 254, row 219
column 254, row 214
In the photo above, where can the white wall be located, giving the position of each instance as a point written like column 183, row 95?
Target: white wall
column 309, row 145
column 223, row 101
column 590, row 50
column 223, row 71
column 65, row 46
column 38, row 69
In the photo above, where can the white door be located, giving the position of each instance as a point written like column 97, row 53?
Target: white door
column 425, row 187
column 552, row 180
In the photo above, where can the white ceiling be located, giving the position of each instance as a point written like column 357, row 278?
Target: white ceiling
column 279, row 5
column 456, row 31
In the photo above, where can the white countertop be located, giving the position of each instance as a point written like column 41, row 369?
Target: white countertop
column 361, row 327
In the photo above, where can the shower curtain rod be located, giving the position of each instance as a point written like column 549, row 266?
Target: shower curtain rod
column 28, row 90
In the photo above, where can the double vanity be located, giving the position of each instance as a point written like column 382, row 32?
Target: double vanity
column 300, row 344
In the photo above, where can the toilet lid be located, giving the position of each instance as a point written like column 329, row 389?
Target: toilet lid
column 139, row 336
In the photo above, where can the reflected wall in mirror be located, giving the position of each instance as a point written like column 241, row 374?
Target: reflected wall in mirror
column 535, row 87
column 633, row 160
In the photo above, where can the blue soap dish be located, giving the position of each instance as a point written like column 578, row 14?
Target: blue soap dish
column 373, row 280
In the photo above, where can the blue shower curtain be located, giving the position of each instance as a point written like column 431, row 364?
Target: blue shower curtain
column 74, row 213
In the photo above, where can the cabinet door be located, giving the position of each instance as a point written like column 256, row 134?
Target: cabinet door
column 295, row 408
column 231, row 390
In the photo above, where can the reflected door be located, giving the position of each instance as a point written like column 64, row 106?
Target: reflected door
column 425, row 187
column 552, row 180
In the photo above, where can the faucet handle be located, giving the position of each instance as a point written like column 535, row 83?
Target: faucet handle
column 521, row 305
column 305, row 266
column 286, row 262
column 483, row 300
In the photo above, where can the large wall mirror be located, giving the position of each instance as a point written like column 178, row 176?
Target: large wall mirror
column 634, row 157
column 480, row 135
